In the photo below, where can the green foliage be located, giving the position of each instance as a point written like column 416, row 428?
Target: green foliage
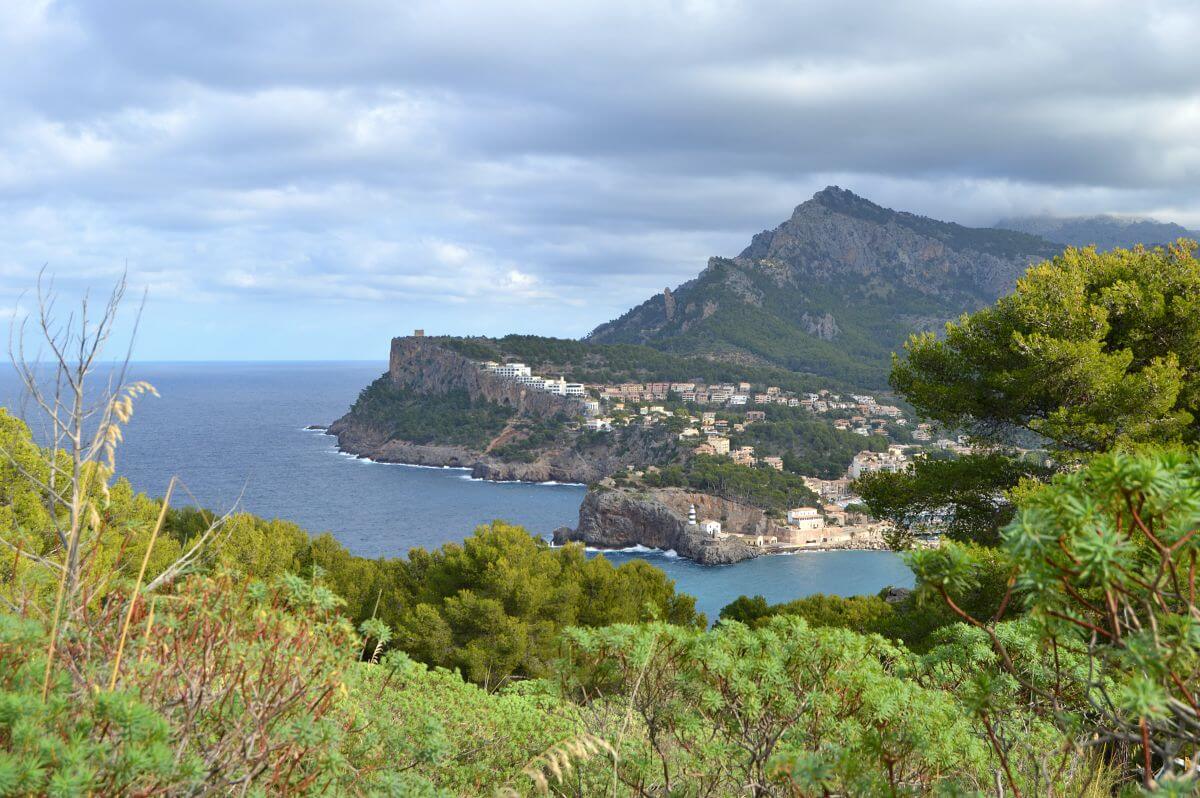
column 1105, row 561
column 1091, row 350
column 808, row 445
column 534, row 435
column 426, row 731
column 965, row 497
column 786, row 709
column 219, row 666
column 914, row 618
column 764, row 487
column 584, row 361
column 449, row 418
column 494, row 606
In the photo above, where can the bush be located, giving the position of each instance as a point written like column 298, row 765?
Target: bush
column 1105, row 561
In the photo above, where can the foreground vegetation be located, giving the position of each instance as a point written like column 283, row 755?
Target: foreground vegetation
column 148, row 650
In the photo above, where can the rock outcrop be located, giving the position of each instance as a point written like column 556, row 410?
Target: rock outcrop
column 625, row 517
column 425, row 366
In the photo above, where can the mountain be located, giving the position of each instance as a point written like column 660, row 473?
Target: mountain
column 1106, row 232
column 834, row 290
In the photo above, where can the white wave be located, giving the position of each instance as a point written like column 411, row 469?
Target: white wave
column 417, row 465
column 521, row 481
column 638, row 549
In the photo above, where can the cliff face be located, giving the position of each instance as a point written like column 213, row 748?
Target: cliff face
column 423, row 366
column 426, row 367
column 617, row 519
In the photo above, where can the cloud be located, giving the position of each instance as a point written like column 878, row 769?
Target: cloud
column 534, row 167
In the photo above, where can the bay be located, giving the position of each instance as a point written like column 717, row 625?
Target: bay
column 235, row 433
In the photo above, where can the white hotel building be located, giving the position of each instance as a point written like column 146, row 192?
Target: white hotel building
column 523, row 374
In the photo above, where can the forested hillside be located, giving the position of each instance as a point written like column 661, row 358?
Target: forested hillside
column 585, row 361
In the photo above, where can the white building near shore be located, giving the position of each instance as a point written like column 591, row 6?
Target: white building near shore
column 806, row 519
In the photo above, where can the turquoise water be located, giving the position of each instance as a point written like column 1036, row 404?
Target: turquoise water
column 234, row 432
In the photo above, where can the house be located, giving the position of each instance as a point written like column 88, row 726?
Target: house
column 508, row 370
column 712, row 529
column 773, row 462
column 805, row 518
column 830, row 490
column 834, row 514
column 892, row 460
column 744, row 456
column 599, row 424
column 755, row 415
column 738, row 399
column 715, row 444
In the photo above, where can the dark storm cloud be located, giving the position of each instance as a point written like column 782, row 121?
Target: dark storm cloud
column 556, row 156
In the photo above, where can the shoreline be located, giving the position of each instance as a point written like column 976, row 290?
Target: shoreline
column 780, row 550
column 671, row 554
column 336, row 448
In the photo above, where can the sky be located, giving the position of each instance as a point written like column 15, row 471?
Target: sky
column 298, row 180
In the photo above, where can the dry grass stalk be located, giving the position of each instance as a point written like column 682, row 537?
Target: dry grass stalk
column 137, row 587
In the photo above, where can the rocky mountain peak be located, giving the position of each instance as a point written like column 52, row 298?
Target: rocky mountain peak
column 834, row 289
column 843, row 200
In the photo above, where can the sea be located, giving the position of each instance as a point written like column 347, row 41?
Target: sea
column 235, row 434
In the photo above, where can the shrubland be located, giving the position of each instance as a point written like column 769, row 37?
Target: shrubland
column 151, row 650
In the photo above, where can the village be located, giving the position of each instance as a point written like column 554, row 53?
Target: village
column 722, row 411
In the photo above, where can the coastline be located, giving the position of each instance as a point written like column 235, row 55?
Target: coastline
column 470, row 476
column 671, row 554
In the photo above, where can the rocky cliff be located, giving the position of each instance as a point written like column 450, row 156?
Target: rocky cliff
column 620, row 518
column 425, row 366
column 428, row 369
column 833, row 290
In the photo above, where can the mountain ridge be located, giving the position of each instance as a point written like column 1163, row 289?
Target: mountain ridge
column 834, row 289
column 1105, row 231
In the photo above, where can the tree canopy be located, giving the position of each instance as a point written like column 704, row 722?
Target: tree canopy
column 1092, row 349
